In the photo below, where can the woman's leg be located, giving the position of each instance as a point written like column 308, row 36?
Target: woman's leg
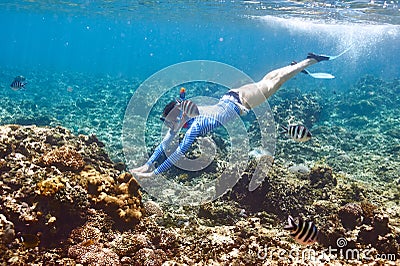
column 255, row 94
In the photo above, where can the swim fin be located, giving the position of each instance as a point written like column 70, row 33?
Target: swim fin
column 320, row 58
column 318, row 75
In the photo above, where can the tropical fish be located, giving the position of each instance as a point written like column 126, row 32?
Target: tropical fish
column 189, row 108
column 298, row 133
column 304, row 232
column 30, row 240
column 18, row 83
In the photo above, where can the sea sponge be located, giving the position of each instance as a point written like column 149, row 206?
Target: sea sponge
column 65, row 158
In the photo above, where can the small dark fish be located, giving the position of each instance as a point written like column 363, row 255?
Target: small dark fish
column 304, row 232
column 298, row 133
column 30, row 240
column 189, row 108
column 18, row 83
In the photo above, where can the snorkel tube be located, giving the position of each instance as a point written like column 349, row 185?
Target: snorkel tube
column 182, row 93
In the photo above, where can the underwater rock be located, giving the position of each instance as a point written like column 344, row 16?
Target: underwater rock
column 280, row 191
column 357, row 121
column 322, row 176
column 4, row 166
column 380, row 235
column 167, row 240
column 219, row 212
column 364, row 108
column 84, row 103
column 393, row 132
column 299, row 169
column 351, row 215
column 381, row 224
column 34, row 120
column 85, row 234
column 368, row 210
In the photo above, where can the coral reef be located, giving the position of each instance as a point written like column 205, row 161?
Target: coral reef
column 152, row 208
column 127, row 243
column 294, row 106
column 93, row 254
column 48, row 186
column 321, row 176
column 149, row 257
column 351, row 215
column 7, row 232
column 65, row 158
column 86, row 210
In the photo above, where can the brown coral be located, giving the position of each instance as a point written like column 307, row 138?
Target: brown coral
column 149, row 257
column 128, row 243
column 351, row 215
column 85, row 233
column 322, row 176
column 65, row 158
column 95, row 182
column 91, row 253
column 152, row 208
column 7, row 232
column 49, row 186
column 380, row 235
column 119, row 200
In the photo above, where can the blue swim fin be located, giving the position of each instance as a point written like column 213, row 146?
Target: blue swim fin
column 322, row 57
column 318, row 75
column 342, row 53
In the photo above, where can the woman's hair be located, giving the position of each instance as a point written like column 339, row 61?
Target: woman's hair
column 168, row 108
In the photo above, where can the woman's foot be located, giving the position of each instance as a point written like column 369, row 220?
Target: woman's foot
column 319, row 58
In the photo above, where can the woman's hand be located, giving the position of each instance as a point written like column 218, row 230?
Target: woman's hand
column 142, row 169
column 145, row 175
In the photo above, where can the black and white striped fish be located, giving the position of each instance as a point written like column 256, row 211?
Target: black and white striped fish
column 298, row 133
column 304, row 232
column 18, row 83
column 189, row 108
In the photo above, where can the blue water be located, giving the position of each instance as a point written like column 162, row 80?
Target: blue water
column 81, row 55
column 138, row 39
